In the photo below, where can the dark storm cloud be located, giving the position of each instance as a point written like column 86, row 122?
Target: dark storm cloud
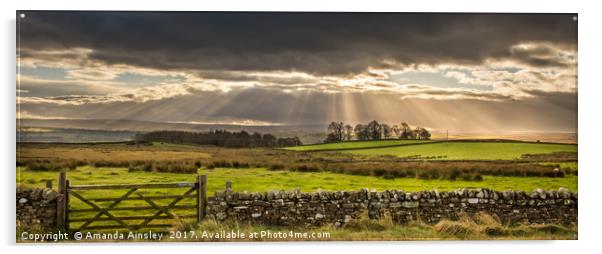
column 540, row 56
column 323, row 43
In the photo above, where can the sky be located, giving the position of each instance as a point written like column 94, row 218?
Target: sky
column 462, row 72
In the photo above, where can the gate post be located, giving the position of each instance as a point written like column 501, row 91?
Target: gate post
column 66, row 204
column 61, row 208
column 201, row 197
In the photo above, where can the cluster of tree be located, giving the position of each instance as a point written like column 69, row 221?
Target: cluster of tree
column 338, row 131
column 222, row 138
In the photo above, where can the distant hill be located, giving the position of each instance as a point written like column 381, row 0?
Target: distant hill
column 89, row 130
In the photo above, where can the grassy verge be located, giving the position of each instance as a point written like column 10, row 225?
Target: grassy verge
column 480, row 226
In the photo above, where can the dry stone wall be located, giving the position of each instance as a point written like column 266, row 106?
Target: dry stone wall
column 36, row 207
column 340, row 207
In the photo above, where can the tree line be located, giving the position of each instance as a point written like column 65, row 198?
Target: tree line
column 222, row 138
column 338, row 131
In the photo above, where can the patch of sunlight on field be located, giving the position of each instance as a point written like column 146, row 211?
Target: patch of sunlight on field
column 468, row 150
column 356, row 144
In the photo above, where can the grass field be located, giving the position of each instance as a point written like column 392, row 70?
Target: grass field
column 259, row 179
column 468, row 150
column 111, row 152
column 355, row 145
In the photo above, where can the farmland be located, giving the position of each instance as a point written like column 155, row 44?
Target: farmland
column 357, row 165
column 261, row 179
column 470, row 150
column 356, row 145
column 264, row 169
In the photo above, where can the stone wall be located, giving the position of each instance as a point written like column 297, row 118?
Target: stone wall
column 339, row 207
column 36, row 207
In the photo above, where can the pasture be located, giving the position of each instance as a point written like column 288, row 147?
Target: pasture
column 355, row 172
column 467, row 150
column 260, row 179
column 355, row 145
column 109, row 152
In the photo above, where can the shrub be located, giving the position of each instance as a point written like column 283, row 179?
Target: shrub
column 275, row 167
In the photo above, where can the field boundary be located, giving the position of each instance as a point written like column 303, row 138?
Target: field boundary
column 361, row 148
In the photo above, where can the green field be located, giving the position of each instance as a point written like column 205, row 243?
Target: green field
column 468, row 150
column 260, row 179
column 355, row 145
column 265, row 180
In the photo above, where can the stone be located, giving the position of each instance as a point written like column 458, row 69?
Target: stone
column 221, row 216
column 279, row 202
column 240, row 208
column 480, row 194
column 319, row 216
column 473, row 200
column 410, row 204
column 22, row 200
column 49, row 194
column 395, row 205
column 507, row 195
column 347, row 219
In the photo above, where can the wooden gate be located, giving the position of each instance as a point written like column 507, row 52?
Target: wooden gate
column 193, row 190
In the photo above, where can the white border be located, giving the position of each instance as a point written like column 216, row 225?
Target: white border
column 589, row 123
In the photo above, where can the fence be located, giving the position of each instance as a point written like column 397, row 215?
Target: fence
column 194, row 190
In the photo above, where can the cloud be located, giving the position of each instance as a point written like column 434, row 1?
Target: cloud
column 37, row 87
column 318, row 43
column 542, row 55
column 545, row 111
column 302, row 68
column 91, row 74
column 429, row 92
